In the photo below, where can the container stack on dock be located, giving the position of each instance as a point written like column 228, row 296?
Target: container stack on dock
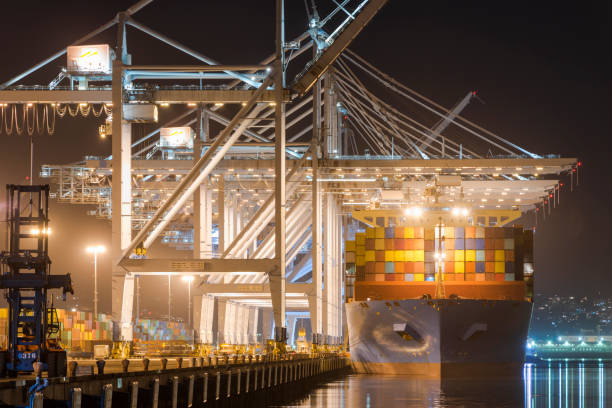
column 161, row 330
column 409, row 254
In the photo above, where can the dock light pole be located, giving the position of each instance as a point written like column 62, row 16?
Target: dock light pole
column 95, row 250
column 188, row 279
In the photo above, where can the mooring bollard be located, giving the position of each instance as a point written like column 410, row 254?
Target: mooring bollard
column 179, row 361
column 100, row 364
column 134, row 395
column 246, row 386
column 255, row 370
column 107, row 396
column 155, row 398
column 125, row 364
column 218, row 387
column 145, row 363
column 269, row 376
column 164, row 363
column 205, row 388
column 75, row 398
column 190, row 392
column 238, row 381
column 175, row 383
column 229, row 383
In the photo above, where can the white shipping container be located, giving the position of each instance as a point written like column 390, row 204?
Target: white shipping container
column 89, row 58
column 176, row 137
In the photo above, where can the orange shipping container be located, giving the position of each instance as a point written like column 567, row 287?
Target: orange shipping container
column 379, row 267
column 470, row 232
column 418, row 232
column 389, row 244
column 459, row 277
column 470, row 267
column 470, row 276
column 399, row 267
column 419, row 267
column 399, row 232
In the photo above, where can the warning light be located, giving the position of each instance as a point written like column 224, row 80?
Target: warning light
column 579, row 163
column 561, row 184
column 550, row 195
column 27, row 177
column 474, row 93
column 345, row 117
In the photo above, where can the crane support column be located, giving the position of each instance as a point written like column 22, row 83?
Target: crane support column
column 277, row 276
column 202, row 198
column 123, row 285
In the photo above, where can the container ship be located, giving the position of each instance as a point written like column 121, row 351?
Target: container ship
column 448, row 297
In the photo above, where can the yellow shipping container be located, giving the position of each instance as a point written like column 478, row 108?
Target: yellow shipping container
column 389, row 256
column 449, row 232
column 409, row 232
column 500, row 267
column 379, row 244
column 409, row 255
column 470, row 255
column 380, row 232
column 400, row 255
column 360, row 260
column 370, row 256
column 349, row 246
column 369, row 233
column 459, row 267
column 419, row 255
column 360, row 238
column 499, row 256
column 459, row 255
column 419, row 277
column 360, row 250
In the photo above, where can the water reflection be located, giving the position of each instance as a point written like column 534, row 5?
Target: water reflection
column 552, row 384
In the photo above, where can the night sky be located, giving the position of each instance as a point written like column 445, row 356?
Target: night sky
column 541, row 67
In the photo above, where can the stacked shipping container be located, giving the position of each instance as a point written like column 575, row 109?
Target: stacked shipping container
column 78, row 330
column 409, row 254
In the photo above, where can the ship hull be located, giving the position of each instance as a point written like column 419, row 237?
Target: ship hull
column 439, row 338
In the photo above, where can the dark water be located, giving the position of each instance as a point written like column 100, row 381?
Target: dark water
column 555, row 384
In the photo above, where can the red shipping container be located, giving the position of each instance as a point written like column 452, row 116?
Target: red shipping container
column 409, row 243
column 399, row 232
column 418, row 232
column 499, row 243
column 490, row 276
column 370, row 244
column 489, row 233
column 400, row 243
column 379, row 267
column 429, row 245
column 499, row 232
column 399, row 277
column 489, row 243
column 490, row 255
column 470, row 267
column 470, row 232
column 489, row 267
column 509, row 255
column 370, row 268
column 500, row 277
column 390, row 277
column 379, row 256
column 389, row 244
column 419, row 267
column 399, row 267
